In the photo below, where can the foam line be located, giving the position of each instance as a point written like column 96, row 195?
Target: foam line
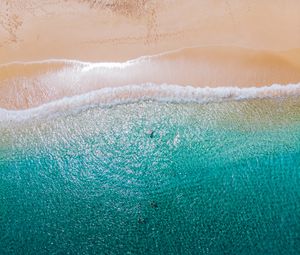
column 108, row 97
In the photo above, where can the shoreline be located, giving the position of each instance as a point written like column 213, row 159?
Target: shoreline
column 37, row 83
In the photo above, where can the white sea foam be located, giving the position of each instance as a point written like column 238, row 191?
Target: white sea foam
column 108, row 97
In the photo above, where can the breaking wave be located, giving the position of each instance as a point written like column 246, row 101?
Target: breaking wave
column 108, row 97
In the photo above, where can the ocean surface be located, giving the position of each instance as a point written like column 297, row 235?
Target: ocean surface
column 153, row 176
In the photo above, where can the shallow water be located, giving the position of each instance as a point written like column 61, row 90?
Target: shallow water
column 154, row 178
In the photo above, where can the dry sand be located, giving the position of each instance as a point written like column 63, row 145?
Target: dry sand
column 226, row 43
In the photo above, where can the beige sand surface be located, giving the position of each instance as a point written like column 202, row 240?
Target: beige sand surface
column 229, row 43
column 118, row 30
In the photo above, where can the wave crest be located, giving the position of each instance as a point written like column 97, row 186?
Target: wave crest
column 108, row 97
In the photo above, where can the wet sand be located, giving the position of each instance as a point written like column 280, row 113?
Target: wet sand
column 27, row 85
column 223, row 43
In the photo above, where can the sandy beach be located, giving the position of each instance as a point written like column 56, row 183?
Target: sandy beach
column 197, row 43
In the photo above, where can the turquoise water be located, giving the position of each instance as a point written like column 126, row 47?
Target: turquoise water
column 154, row 178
